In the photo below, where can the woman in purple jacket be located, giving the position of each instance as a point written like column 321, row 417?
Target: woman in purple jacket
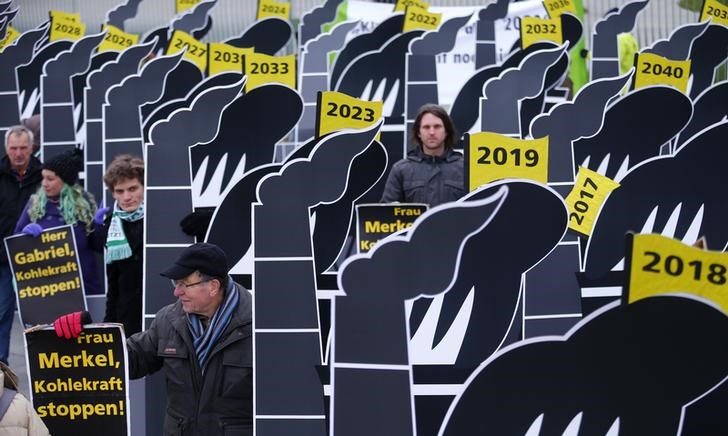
column 61, row 200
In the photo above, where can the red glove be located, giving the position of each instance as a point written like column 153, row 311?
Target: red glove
column 70, row 325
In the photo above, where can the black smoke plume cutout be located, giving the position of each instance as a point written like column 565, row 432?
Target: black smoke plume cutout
column 635, row 127
column 5, row 5
column 117, row 16
column 166, row 107
column 441, row 40
column 267, row 36
column 677, row 46
column 62, row 67
column 681, row 192
column 78, row 83
column 379, row 282
column 112, row 73
column 8, row 17
column 580, row 118
column 493, row 264
column 235, row 209
column 200, row 122
column 327, row 183
column 708, row 52
column 335, row 220
column 29, row 75
column 312, row 21
column 631, row 366
column 607, row 29
column 709, row 108
column 14, row 55
column 126, row 98
column 251, row 126
column 3, row 27
column 386, row 65
column 494, row 11
column 502, row 110
column 183, row 78
column 366, row 42
column 195, row 19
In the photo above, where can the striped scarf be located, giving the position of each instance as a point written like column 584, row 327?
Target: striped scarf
column 204, row 339
column 117, row 247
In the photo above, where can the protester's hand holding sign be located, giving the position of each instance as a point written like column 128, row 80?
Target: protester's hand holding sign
column 33, row 229
column 70, row 325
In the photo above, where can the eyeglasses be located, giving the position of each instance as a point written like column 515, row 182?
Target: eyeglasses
column 179, row 284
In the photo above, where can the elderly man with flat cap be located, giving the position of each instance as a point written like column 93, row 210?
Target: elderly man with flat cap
column 204, row 343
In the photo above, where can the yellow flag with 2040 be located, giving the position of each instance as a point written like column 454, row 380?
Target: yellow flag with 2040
column 661, row 265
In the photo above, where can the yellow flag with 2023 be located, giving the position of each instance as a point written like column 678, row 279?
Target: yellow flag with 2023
column 661, row 265
column 338, row 111
column 492, row 156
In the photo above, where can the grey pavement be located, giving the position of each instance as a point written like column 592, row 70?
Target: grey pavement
column 16, row 360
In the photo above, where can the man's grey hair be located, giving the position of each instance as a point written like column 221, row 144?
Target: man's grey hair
column 19, row 130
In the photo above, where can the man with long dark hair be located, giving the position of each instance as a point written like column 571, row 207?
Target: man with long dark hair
column 432, row 172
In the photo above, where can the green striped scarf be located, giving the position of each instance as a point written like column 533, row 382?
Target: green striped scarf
column 117, row 247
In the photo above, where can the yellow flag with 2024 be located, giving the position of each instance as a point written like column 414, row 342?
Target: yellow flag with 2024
column 660, row 265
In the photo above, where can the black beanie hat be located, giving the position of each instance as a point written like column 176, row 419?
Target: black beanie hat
column 66, row 165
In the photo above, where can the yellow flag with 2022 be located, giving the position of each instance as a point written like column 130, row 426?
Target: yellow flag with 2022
column 416, row 18
column 661, row 265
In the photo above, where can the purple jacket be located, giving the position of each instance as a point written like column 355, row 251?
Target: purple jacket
column 86, row 245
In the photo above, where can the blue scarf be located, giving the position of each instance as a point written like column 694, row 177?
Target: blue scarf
column 204, row 339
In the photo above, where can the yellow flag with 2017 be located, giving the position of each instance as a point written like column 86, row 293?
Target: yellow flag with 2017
column 585, row 200
column 659, row 265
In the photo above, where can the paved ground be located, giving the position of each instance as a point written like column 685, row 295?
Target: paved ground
column 17, row 355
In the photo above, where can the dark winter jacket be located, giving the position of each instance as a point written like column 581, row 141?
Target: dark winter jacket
column 14, row 195
column 124, row 278
column 420, row 178
column 221, row 401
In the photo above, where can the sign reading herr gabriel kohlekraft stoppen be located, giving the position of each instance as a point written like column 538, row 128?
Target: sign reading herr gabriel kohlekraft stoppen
column 47, row 273
column 377, row 221
column 79, row 386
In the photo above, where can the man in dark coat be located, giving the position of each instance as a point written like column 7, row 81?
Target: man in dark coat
column 20, row 176
column 204, row 343
column 432, row 173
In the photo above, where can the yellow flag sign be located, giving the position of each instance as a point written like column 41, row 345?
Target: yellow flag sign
column 338, row 111
column 535, row 29
column 261, row 69
column 586, row 198
column 196, row 50
column 653, row 69
column 660, row 265
column 491, row 156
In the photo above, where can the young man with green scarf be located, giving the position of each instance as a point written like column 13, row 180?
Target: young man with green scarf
column 124, row 228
